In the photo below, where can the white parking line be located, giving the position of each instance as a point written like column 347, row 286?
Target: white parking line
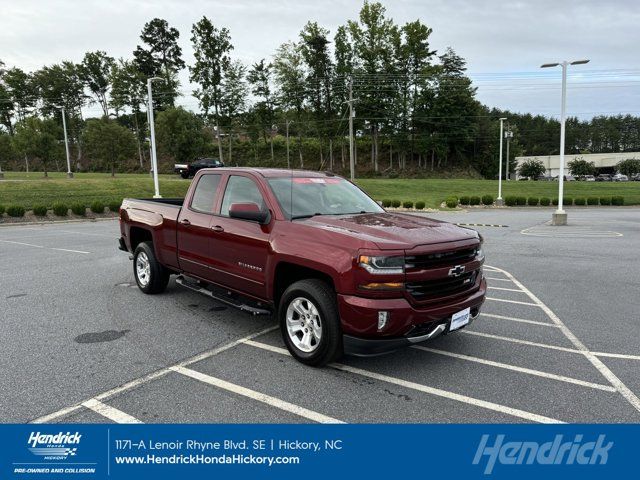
column 617, row 355
column 252, row 394
column 506, row 289
column 516, row 319
column 506, row 366
column 498, row 279
column 149, row 377
column 514, row 412
column 512, row 301
column 625, row 391
column 518, row 340
column 40, row 246
column 109, row 412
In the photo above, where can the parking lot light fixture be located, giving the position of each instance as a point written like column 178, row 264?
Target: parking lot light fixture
column 499, row 200
column 559, row 217
column 152, row 131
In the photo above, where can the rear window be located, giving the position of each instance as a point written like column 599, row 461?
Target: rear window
column 205, row 193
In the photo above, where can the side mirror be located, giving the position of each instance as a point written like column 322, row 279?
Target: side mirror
column 248, row 211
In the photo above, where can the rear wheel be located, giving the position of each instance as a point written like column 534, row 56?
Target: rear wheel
column 310, row 323
column 184, row 175
column 150, row 275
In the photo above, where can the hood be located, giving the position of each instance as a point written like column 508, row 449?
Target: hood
column 393, row 231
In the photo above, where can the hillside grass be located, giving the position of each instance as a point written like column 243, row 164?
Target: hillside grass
column 28, row 189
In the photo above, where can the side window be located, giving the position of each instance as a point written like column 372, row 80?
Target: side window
column 240, row 190
column 205, row 193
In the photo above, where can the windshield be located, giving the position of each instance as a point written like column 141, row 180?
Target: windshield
column 320, row 196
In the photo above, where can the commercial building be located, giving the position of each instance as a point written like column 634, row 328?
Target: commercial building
column 604, row 162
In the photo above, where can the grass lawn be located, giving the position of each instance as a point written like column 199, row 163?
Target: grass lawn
column 30, row 189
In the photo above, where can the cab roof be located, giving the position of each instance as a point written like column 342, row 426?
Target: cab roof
column 278, row 172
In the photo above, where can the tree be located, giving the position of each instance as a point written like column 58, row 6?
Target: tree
column 259, row 78
column 23, row 91
column 161, row 58
column 290, row 73
column 531, row 168
column 180, row 135
column 233, row 98
column 211, row 48
column 580, row 166
column 629, row 167
column 95, row 72
column 7, row 151
column 108, row 143
column 38, row 138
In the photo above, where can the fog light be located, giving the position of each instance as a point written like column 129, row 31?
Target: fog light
column 383, row 317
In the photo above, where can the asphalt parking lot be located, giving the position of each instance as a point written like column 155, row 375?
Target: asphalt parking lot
column 558, row 340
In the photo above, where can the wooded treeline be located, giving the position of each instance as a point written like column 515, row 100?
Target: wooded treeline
column 416, row 109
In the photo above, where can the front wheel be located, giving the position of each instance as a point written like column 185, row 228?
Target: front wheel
column 310, row 323
column 151, row 276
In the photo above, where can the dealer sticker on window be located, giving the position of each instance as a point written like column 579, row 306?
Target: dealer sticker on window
column 460, row 319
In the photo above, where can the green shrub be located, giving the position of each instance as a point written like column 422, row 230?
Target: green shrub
column 40, row 210
column 2, row 210
column 579, row 201
column 465, row 200
column 605, row 200
column 79, row 209
column 593, row 200
column 617, row 200
column 533, row 201
column 554, row 202
column 544, row 201
column 15, row 211
column 114, row 206
column 567, row 200
column 474, row 200
column 487, row 200
column 385, row 204
column 452, row 202
column 97, row 207
column 407, row 204
column 510, row 201
column 60, row 209
column 396, row 203
column 521, row 201
column 420, row 205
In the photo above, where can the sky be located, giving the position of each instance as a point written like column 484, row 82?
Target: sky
column 504, row 42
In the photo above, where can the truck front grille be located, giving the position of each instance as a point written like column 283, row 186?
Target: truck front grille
column 423, row 262
column 442, row 287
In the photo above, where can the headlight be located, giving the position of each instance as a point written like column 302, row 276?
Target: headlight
column 479, row 251
column 382, row 265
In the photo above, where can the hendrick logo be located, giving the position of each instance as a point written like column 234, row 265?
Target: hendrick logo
column 54, row 446
column 556, row 452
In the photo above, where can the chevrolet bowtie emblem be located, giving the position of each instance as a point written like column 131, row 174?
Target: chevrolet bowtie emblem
column 456, row 271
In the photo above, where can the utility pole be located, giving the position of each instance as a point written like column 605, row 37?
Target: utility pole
column 66, row 142
column 508, row 135
column 499, row 200
column 352, row 165
column 559, row 217
column 152, row 130
column 287, row 123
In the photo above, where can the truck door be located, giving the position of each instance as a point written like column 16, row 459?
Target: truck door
column 195, row 256
column 241, row 246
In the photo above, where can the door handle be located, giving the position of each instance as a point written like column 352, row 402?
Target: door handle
column 185, row 221
column 217, row 228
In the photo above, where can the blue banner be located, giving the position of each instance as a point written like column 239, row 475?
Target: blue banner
column 82, row 451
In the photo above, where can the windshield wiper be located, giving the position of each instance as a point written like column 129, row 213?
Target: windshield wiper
column 296, row 217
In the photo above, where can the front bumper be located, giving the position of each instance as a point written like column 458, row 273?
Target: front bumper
column 407, row 324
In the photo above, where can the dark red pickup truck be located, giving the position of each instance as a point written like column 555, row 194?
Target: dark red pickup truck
column 339, row 272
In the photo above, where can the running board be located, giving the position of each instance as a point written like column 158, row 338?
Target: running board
column 181, row 280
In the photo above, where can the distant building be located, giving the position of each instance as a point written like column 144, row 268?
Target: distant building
column 605, row 162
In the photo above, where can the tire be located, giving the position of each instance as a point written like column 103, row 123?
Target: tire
column 318, row 300
column 184, row 175
column 150, row 275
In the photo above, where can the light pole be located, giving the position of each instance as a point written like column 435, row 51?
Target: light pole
column 287, row 123
column 508, row 135
column 352, row 162
column 499, row 200
column 66, row 140
column 152, row 130
column 559, row 217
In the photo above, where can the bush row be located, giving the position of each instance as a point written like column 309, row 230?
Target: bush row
column 512, row 201
column 420, row 205
column 61, row 209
